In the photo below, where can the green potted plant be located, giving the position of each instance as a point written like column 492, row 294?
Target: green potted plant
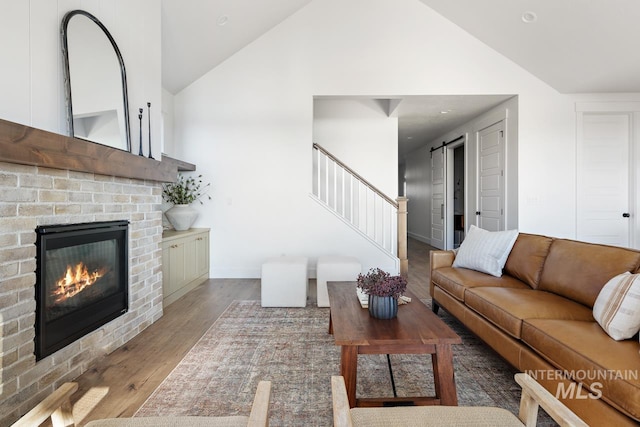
column 383, row 290
column 181, row 194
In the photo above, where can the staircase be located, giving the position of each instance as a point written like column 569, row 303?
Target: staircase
column 361, row 205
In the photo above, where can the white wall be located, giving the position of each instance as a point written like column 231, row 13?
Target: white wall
column 168, row 145
column 31, row 79
column 248, row 123
column 418, row 175
column 349, row 127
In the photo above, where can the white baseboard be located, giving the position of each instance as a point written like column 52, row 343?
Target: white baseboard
column 224, row 273
column 227, row 273
column 419, row 237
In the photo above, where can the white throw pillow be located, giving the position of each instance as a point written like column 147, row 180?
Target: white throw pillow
column 617, row 308
column 485, row 251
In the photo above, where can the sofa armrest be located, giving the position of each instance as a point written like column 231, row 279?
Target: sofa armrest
column 439, row 259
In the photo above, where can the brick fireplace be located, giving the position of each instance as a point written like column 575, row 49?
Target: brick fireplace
column 33, row 196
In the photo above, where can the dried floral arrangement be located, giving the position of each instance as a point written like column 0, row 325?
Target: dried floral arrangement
column 380, row 283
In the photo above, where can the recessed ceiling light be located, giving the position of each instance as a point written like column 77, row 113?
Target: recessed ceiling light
column 529, row 17
column 445, row 111
column 222, row 20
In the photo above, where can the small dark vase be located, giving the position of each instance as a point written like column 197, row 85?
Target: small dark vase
column 383, row 307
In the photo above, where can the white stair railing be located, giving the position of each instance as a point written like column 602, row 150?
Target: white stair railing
column 357, row 202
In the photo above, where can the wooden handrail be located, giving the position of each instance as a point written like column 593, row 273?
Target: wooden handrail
column 356, row 175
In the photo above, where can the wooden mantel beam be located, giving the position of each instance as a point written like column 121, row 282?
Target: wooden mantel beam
column 30, row 146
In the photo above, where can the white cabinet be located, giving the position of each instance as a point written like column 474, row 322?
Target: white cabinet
column 185, row 262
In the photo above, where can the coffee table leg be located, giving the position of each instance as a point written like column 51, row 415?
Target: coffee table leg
column 443, row 377
column 349, row 369
column 330, row 323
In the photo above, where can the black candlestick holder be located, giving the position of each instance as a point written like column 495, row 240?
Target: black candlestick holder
column 149, row 117
column 140, row 153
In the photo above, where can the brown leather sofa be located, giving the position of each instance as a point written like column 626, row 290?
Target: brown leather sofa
column 538, row 316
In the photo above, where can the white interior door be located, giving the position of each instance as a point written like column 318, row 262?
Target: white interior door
column 603, row 203
column 490, row 203
column 437, row 198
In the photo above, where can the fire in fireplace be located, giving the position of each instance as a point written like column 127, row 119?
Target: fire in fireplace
column 81, row 281
column 75, row 280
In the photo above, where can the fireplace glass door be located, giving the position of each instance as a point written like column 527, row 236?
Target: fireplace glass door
column 78, row 276
column 82, row 281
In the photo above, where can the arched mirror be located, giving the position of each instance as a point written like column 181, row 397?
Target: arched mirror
column 95, row 82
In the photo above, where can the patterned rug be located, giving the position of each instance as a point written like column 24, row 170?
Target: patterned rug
column 291, row 348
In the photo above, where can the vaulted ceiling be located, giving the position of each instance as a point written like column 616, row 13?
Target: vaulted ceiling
column 198, row 35
column 575, row 46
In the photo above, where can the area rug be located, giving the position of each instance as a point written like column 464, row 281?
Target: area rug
column 292, row 348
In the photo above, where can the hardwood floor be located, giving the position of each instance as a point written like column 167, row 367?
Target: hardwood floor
column 418, row 254
column 119, row 383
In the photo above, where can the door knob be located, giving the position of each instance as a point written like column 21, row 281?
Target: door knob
column 477, row 212
column 626, row 215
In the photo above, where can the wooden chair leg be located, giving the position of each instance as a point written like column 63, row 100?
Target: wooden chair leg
column 56, row 406
column 63, row 416
column 534, row 395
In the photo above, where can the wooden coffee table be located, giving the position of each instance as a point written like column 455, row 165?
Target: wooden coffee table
column 416, row 330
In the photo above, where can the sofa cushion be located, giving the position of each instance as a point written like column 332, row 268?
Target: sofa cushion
column 485, row 251
column 583, row 349
column 507, row 308
column 578, row 270
column 456, row 280
column 617, row 308
column 527, row 257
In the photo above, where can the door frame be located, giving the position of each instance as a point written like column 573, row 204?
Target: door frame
column 509, row 117
column 623, row 107
column 480, row 211
column 441, row 211
column 449, row 204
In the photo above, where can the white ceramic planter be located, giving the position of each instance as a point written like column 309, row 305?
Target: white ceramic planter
column 181, row 216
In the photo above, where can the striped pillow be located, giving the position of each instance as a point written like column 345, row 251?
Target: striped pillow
column 485, row 251
column 617, row 308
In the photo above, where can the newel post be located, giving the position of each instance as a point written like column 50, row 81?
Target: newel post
column 402, row 236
